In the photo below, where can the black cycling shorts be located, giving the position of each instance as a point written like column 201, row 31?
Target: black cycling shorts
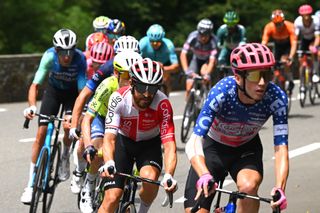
column 128, row 152
column 53, row 98
column 221, row 160
column 305, row 43
column 281, row 49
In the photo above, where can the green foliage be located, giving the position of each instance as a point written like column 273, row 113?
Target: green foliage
column 27, row 26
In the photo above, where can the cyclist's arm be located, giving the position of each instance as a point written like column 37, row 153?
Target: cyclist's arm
column 184, row 60
column 281, row 165
column 82, row 77
column 293, row 40
column 317, row 41
column 212, row 61
column 32, row 94
column 82, row 98
column 86, row 129
column 243, row 38
column 109, row 141
column 170, row 157
column 174, row 64
column 266, row 34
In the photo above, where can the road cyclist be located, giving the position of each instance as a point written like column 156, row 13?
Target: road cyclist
column 226, row 135
column 135, row 134
column 159, row 48
column 66, row 67
column 93, row 121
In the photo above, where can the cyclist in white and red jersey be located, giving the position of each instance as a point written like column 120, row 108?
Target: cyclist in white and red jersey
column 307, row 26
column 138, row 122
column 226, row 135
column 203, row 44
column 92, row 39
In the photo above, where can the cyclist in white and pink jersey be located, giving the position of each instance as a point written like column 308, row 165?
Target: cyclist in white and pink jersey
column 138, row 122
column 307, row 26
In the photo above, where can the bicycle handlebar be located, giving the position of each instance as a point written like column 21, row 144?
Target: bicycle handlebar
column 51, row 118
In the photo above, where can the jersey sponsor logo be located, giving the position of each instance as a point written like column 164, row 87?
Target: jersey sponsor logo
column 112, row 106
column 165, row 117
column 204, row 122
column 279, row 107
column 237, row 129
column 281, row 129
column 216, row 103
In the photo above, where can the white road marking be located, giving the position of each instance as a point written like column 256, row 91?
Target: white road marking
column 3, row 110
column 27, row 140
column 303, row 150
column 177, row 117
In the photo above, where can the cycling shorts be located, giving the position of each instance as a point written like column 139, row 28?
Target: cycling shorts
column 281, row 49
column 97, row 127
column 221, row 159
column 305, row 43
column 196, row 64
column 53, row 98
column 127, row 152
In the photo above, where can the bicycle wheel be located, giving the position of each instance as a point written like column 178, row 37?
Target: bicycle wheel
column 128, row 208
column 302, row 89
column 53, row 179
column 39, row 182
column 188, row 117
column 98, row 194
column 289, row 101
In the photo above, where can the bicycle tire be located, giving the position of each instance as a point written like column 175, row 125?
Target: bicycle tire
column 53, row 178
column 128, row 208
column 289, row 101
column 98, row 195
column 188, row 117
column 302, row 94
column 312, row 92
column 38, row 183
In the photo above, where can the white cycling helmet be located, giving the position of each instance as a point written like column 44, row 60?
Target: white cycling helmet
column 125, row 59
column 146, row 71
column 101, row 23
column 126, row 43
column 65, row 39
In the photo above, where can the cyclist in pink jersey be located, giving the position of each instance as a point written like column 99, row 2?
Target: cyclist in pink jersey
column 138, row 122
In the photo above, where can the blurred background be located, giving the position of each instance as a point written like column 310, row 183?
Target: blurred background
column 27, row 26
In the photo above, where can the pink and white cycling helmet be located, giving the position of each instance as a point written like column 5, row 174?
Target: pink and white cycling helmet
column 305, row 9
column 101, row 52
column 146, row 71
column 251, row 56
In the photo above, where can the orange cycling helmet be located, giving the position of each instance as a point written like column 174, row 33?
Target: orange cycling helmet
column 277, row 16
column 305, row 9
column 96, row 38
column 101, row 52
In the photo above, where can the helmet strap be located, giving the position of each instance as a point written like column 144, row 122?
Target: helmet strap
column 243, row 89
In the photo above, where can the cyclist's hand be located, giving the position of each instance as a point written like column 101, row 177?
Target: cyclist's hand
column 206, row 77
column 108, row 169
column 30, row 112
column 281, row 198
column 189, row 72
column 164, row 183
column 73, row 134
column 202, row 185
column 89, row 153
column 289, row 62
column 313, row 49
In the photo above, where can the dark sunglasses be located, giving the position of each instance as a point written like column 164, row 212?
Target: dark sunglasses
column 63, row 52
column 142, row 88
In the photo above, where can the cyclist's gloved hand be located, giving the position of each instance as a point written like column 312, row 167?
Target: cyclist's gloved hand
column 207, row 77
column 164, row 181
column 109, row 166
column 313, row 49
column 189, row 72
column 202, row 184
column 30, row 112
column 73, row 134
column 89, row 153
column 282, row 201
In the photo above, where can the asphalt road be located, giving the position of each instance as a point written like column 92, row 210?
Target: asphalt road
column 303, row 189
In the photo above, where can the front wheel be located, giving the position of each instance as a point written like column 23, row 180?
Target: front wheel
column 188, row 117
column 53, row 177
column 39, row 182
column 303, row 87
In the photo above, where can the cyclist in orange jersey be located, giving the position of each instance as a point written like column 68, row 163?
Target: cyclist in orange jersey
column 282, row 32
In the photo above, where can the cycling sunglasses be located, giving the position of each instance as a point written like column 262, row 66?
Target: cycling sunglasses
column 142, row 88
column 255, row 75
column 62, row 52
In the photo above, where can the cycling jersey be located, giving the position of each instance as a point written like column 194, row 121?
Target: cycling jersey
column 307, row 32
column 165, row 54
column 226, row 120
column 286, row 33
column 90, row 70
column 232, row 39
column 200, row 51
column 125, row 118
column 99, row 102
column 60, row 77
column 103, row 72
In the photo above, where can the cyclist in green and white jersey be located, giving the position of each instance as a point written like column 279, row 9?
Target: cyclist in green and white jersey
column 93, row 121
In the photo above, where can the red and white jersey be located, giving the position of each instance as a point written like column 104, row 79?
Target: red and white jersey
column 125, row 118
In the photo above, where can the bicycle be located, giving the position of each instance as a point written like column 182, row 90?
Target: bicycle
column 224, row 71
column 127, row 201
column 195, row 100
column 45, row 175
column 231, row 206
column 280, row 78
column 306, row 83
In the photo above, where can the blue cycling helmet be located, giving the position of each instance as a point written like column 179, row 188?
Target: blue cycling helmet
column 155, row 32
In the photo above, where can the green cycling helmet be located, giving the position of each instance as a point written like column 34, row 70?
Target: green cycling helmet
column 231, row 18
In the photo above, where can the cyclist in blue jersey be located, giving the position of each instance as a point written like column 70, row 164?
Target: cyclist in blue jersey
column 106, row 70
column 203, row 44
column 158, row 48
column 66, row 67
column 226, row 134
column 230, row 35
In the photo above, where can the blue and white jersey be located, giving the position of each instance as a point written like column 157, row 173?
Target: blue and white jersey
column 228, row 121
